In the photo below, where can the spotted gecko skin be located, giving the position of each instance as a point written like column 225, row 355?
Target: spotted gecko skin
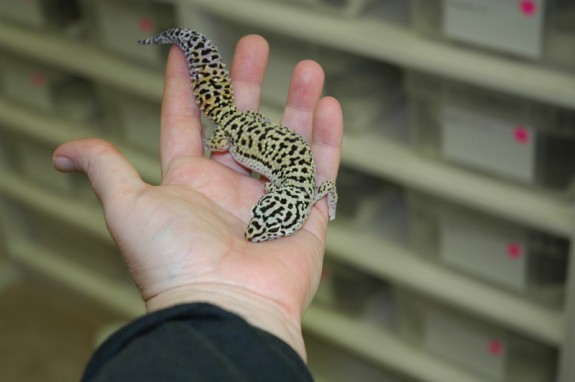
column 272, row 150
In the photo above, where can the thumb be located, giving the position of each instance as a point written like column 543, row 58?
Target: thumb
column 111, row 174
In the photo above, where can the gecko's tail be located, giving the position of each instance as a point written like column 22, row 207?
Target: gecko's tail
column 210, row 79
column 169, row 36
column 198, row 49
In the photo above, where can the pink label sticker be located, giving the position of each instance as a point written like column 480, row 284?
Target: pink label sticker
column 514, row 251
column 146, row 24
column 528, row 7
column 495, row 347
column 38, row 79
column 521, row 135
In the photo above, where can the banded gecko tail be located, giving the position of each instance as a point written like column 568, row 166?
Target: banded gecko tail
column 210, row 78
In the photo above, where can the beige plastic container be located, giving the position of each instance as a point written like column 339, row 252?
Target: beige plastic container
column 530, row 263
column 541, row 31
column 490, row 351
column 513, row 138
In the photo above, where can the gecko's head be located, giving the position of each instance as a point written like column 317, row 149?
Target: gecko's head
column 275, row 215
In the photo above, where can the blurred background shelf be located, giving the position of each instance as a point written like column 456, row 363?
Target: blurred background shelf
column 382, row 41
column 506, row 200
column 83, row 58
column 117, row 297
column 55, row 131
column 382, row 258
column 360, row 44
column 382, row 348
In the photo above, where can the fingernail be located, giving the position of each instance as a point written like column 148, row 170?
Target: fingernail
column 63, row 164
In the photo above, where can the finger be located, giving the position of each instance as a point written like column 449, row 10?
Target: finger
column 181, row 131
column 248, row 70
column 304, row 93
column 327, row 138
column 110, row 173
column 326, row 149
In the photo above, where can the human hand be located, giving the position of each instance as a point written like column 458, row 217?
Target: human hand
column 183, row 241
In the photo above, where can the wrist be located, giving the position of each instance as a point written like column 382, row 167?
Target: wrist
column 259, row 311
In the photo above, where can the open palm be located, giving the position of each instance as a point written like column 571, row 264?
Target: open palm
column 189, row 231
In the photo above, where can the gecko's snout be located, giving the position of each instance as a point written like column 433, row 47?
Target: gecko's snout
column 272, row 218
column 257, row 231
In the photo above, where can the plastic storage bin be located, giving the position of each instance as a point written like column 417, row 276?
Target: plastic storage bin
column 135, row 120
column 119, row 25
column 519, row 259
column 44, row 89
column 52, row 15
column 510, row 137
column 480, row 347
column 541, row 30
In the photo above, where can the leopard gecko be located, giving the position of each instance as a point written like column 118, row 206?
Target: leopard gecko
column 270, row 149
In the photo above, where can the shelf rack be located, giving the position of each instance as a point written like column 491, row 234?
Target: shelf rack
column 394, row 44
column 82, row 58
column 368, row 38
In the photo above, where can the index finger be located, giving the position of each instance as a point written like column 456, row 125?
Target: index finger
column 248, row 70
column 181, row 130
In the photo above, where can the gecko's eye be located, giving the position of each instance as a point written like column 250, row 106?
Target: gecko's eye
column 273, row 229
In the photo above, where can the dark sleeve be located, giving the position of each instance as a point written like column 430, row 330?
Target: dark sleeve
column 194, row 342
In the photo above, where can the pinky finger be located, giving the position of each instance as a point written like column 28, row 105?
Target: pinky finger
column 327, row 138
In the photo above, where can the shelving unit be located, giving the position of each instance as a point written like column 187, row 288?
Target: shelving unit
column 505, row 200
column 400, row 267
column 56, row 131
column 378, row 40
column 365, row 37
column 80, row 57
